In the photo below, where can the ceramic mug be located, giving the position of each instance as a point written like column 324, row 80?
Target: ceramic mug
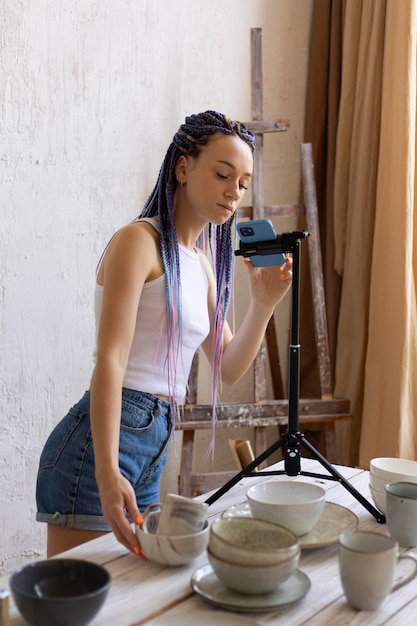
column 401, row 512
column 178, row 515
column 367, row 565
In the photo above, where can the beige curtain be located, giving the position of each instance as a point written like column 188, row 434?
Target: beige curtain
column 374, row 227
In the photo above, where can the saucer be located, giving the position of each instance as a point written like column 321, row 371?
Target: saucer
column 206, row 584
column 334, row 520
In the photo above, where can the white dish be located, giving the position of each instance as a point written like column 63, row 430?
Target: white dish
column 290, row 503
column 394, row 470
column 334, row 520
column 379, row 499
column 206, row 584
column 202, row 618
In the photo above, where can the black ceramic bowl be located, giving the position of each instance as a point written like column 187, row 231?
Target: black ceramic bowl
column 60, row 592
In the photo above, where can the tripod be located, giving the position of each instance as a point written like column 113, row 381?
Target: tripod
column 292, row 440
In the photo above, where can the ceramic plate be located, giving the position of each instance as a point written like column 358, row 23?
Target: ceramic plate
column 205, row 582
column 334, row 520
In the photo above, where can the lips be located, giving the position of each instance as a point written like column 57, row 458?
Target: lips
column 227, row 208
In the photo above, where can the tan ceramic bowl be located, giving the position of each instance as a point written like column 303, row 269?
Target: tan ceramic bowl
column 292, row 504
column 172, row 550
column 249, row 541
column 253, row 579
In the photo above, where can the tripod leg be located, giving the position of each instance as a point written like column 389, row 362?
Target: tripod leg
column 341, row 479
column 247, row 471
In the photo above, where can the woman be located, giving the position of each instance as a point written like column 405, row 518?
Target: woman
column 157, row 300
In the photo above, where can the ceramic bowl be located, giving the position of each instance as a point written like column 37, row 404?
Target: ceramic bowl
column 294, row 505
column 394, row 470
column 249, row 541
column 377, row 483
column 172, row 550
column 253, row 579
column 60, row 591
column 379, row 499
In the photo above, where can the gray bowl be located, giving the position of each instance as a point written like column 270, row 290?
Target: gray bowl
column 60, row 592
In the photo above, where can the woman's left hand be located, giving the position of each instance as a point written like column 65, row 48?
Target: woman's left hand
column 268, row 285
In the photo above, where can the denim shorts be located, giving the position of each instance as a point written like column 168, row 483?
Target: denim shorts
column 66, row 491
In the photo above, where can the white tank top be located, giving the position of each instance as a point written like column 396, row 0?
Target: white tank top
column 147, row 364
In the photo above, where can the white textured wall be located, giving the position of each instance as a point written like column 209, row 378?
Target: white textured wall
column 90, row 95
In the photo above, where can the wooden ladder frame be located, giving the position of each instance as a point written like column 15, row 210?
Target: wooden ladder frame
column 314, row 413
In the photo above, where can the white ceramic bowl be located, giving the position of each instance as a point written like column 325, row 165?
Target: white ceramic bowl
column 253, row 579
column 172, row 550
column 394, row 470
column 379, row 499
column 249, row 541
column 377, row 483
column 294, row 505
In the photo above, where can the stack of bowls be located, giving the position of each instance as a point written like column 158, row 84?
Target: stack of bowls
column 252, row 556
column 384, row 470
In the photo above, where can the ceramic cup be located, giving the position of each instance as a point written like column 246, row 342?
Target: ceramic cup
column 401, row 512
column 367, row 565
column 178, row 516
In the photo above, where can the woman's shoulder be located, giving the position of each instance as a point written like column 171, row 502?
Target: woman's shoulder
column 135, row 245
column 141, row 230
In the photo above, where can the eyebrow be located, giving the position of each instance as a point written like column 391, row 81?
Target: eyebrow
column 233, row 167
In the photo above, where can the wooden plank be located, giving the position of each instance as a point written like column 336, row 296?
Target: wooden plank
column 275, row 210
column 238, row 411
column 319, row 306
column 260, row 126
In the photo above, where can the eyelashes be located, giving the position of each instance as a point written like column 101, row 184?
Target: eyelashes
column 226, row 177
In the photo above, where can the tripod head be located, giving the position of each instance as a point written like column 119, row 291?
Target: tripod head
column 282, row 243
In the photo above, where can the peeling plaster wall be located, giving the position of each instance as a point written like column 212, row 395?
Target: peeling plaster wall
column 90, row 95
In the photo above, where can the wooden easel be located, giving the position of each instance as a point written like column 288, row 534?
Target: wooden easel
column 318, row 413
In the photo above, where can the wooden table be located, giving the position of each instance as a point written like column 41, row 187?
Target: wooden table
column 141, row 591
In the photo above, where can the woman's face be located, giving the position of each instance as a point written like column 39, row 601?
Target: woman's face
column 216, row 180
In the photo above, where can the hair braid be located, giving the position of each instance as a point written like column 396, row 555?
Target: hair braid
column 190, row 138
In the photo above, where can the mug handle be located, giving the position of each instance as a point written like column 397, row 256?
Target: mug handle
column 413, row 574
column 158, row 505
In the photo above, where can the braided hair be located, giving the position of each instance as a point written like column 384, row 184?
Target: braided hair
column 189, row 140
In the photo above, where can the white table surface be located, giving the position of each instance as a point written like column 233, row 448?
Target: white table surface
column 142, row 591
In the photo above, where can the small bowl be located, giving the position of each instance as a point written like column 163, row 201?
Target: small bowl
column 60, row 591
column 379, row 499
column 172, row 550
column 294, row 505
column 249, row 541
column 394, row 470
column 253, row 579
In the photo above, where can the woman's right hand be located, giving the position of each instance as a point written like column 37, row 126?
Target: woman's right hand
column 117, row 496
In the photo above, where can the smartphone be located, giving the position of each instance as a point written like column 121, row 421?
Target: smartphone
column 255, row 231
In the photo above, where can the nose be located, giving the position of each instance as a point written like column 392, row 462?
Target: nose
column 233, row 191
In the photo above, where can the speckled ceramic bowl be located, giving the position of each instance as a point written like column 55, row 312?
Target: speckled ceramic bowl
column 249, row 541
column 253, row 579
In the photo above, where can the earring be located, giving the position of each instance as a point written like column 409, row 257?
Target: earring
column 181, row 182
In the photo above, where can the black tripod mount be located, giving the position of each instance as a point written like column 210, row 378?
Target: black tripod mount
column 292, row 441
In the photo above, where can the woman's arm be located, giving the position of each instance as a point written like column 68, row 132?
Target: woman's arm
column 129, row 261
column 267, row 287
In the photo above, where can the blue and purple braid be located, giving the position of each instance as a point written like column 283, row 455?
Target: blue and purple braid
column 190, row 138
